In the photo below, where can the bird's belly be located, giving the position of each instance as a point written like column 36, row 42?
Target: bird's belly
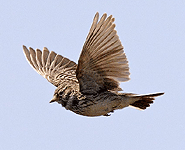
column 100, row 105
column 94, row 110
column 97, row 110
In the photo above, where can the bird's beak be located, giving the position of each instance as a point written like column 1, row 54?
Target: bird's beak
column 55, row 98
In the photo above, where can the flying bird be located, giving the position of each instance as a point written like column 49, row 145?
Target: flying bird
column 91, row 87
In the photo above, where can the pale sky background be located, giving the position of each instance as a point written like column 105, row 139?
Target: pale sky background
column 153, row 35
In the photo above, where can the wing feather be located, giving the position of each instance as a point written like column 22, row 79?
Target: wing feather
column 55, row 68
column 102, row 63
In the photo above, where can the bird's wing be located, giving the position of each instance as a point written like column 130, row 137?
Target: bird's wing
column 102, row 63
column 55, row 68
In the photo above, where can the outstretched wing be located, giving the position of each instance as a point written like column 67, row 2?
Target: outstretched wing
column 102, row 63
column 55, row 68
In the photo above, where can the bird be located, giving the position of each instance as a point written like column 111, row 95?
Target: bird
column 92, row 87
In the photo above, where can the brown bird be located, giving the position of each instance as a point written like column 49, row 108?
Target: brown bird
column 90, row 88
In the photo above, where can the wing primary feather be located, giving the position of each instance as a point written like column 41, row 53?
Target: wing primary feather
column 95, row 20
column 97, row 32
column 39, row 60
column 45, row 54
column 33, row 58
column 105, row 41
column 27, row 54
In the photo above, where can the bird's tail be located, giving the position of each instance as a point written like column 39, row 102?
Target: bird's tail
column 143, row 101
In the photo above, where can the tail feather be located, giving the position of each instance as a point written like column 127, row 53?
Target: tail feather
column 144, row 100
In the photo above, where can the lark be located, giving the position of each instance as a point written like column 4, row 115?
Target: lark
column 91, row 87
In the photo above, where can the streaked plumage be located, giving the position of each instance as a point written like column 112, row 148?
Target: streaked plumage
column 90, row 88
